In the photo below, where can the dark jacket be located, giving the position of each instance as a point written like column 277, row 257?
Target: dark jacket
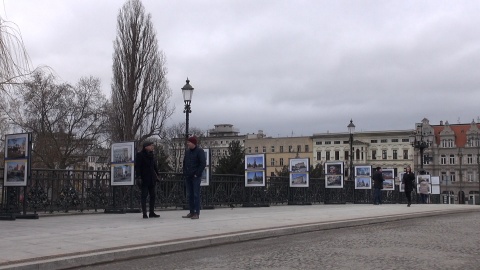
column 378, row 180
column 146, row 167
column 408, row 180
column 194, row 162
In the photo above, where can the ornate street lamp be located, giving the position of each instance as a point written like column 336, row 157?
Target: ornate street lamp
column 351, row 130
column 187, row 91
column 421, row 139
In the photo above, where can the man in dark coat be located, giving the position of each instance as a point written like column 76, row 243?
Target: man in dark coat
column 377, row 186
column 146, row 169
column 408, row 180
column 194, row 163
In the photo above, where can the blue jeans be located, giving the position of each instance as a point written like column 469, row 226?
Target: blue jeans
column 377, row 196
column 193, row 193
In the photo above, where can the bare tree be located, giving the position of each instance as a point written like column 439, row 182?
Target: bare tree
column 66, row 121
column 140, row 91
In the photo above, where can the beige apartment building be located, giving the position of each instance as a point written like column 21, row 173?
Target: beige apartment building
column 279, row 151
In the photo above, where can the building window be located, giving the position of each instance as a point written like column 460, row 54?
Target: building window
column 281, row 149
column 290, row 148
column 273, row 149
column 358, row 155
column 469, row 176
column 281, row 161
column 318, row 143
column 327, row 155
column 336, row 142
column 319, row 155
column 328, row 142
column 346, row 142
column 346, row 155
column 299, row 148
column 452, row 176
column 405, row 154
column 256, row 149
column 249, row 149
column 384, row 154
column 405, row 140
column 447, row 143
column 272, row 162
column 306, row 148
column 469, row 159
column 374, row 154
column 394, row 154
column 452, row 159
column 443, row 159
column 264, row 149
column 394, row 140
column 337, row 155
column 444, row 176
column 384, row 141
column 373, row 141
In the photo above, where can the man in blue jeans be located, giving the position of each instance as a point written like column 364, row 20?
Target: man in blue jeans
column 194, row 163
column 377, row 186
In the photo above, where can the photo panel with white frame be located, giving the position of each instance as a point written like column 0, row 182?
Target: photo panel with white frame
column 255, row 178
column 299, row 179
column 363, row 182
column 255, row 162
column 207, row 156
column 363, row 171
column 123, row 152
column 299, row 165
column 16, row 146
column 389, row 176
column 15, row 173
column 122, row 174
column 205, row 177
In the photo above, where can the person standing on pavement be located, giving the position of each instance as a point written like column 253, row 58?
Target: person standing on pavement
column 194, row 163
column 408, row 180
column 377, row 186
column 424, row 189
column 146, row 170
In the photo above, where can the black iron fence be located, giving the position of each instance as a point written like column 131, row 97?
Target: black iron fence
column 50, row 191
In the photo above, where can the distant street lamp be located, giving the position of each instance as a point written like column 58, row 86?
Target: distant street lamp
column 351, row 130
column 421, row 140
column 187, row 91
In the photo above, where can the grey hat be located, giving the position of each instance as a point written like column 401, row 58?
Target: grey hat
column 147, row 143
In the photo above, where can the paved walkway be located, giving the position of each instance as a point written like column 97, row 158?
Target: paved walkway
column 63, row 241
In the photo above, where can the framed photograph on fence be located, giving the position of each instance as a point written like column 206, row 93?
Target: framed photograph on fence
column 363, row 171
column 254, row 178
column 401, row 185
column 15, row 174
column 333, row 181
column 207, row 156
column 299, row 165
column 123, row 152
column 389, row 176
column 334, row 168
column 122, row 174
column 255, row 162
column 205, row 177
column 299, row 179
column 16, row 146
column 425, row 177
column 363, row 182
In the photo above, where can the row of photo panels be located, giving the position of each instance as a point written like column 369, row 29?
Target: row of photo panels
column 16, row 156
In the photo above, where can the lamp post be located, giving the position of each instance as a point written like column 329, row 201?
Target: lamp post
column 461, row 196
column 421, row 139
column 351, row 130
column 187, row 91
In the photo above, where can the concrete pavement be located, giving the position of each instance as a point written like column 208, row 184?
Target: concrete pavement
column 65, row 241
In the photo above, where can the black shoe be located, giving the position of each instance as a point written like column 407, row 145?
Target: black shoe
column 190, row 215
column 153, row 215
column 195, row 216
column 408, row 205
column 145, row 216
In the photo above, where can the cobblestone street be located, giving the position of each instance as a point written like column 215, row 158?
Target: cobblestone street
column 441, row 242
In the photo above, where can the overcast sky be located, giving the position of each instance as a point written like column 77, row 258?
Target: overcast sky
column 285, row 67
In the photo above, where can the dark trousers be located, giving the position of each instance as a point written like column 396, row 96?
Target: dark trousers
column 148, row 190
column 408, row 194
column 377, row 196
column 424, row 198
column 193, row 193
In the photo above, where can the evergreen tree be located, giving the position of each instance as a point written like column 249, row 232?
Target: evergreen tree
column 234, row 162
column 317, row 171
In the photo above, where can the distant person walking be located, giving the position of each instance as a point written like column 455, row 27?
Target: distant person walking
column 146, row 169
column 377, row 186
column 424, row 190
column 408, row 181
column 194, row 163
